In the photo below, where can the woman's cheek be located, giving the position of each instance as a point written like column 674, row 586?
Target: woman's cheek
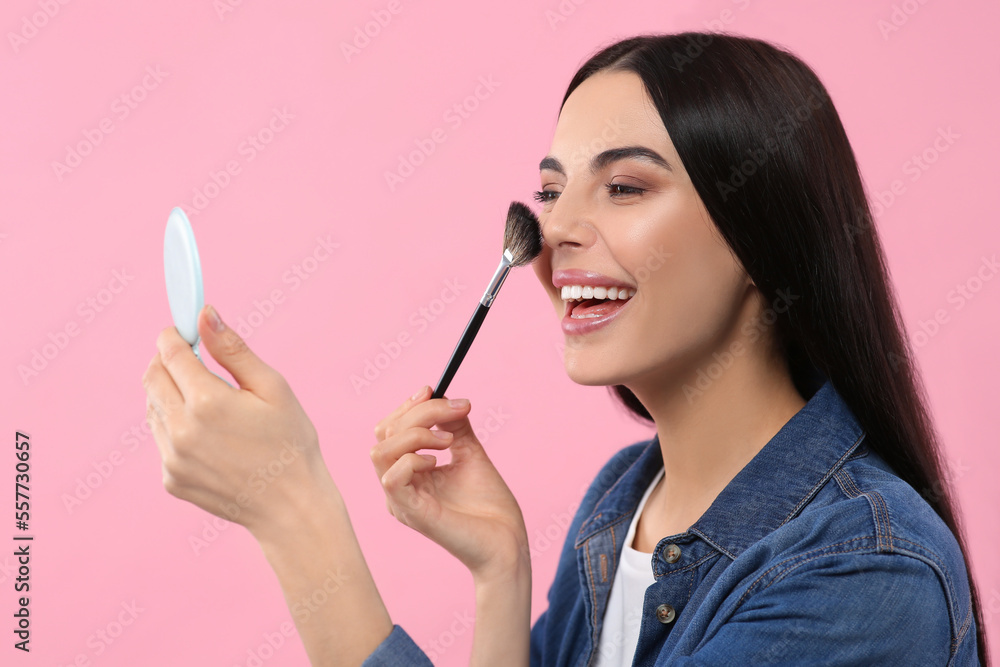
column 543, row 271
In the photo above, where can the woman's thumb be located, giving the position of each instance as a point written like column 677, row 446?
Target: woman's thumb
column 232, row 352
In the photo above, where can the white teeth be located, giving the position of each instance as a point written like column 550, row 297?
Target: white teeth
column 578, row 292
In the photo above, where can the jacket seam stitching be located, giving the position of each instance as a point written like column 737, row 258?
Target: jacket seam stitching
column 959, row 633
column 609, row 490
column 715, row 545
column 593, row 592
column 792, row 558
column 919, row 551
column 686, row 568
column 880, row 510
column 826, row 477
column 614, row 553
column 611, row 525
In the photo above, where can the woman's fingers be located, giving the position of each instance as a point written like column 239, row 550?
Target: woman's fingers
column 156, row 427
column 397, row 481
column 389, row 451
column 177, row 358
column 162, row 393
column 380, row 429
column 424, row 413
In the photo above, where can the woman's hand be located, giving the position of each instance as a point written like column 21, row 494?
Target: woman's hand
column 464, row 506
column 249, row 454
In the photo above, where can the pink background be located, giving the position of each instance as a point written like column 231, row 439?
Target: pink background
column 221, row 76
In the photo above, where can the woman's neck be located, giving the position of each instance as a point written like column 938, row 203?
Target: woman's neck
column 709, row 430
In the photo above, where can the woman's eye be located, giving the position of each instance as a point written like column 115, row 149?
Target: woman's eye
column 614, row 189
column 545, row 196
column 621, row 190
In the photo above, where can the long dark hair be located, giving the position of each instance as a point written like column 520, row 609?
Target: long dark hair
column 768, row 155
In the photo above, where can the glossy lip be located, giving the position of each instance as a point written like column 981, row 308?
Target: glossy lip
column 563, row 277
column 573, row 327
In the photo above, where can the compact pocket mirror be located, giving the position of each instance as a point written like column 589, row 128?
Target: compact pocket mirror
column 182, row 271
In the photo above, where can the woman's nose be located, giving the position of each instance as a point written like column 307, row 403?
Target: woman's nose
column 568, row 224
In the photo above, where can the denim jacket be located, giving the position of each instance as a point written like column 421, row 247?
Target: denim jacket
column 815, row 553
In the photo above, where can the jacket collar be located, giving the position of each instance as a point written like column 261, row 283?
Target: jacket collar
column 777, row 483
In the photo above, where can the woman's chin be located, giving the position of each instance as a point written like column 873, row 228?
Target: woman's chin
column 591, row 372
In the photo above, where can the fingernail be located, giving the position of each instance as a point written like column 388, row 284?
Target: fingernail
column 442, row 435
column 458, row 402
column 215, row 320
column 420, row 392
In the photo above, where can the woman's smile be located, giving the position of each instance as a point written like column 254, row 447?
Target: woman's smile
column 592, row 300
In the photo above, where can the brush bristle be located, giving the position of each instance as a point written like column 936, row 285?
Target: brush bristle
column 523, row 235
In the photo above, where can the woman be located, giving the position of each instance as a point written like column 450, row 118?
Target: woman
column 715, row 261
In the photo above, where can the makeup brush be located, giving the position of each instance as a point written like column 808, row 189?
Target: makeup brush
column 522, row 243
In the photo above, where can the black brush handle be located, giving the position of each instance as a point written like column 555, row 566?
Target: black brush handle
column 471, row 329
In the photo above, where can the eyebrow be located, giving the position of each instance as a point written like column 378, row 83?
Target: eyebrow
column 604, row 158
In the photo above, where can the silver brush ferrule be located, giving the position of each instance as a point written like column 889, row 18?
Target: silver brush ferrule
column 497, row 280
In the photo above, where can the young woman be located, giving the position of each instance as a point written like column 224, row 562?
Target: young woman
column 716, row 263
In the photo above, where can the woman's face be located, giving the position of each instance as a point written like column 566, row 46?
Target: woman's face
column 620, row 211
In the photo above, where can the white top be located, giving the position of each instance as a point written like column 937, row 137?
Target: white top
column 623, row 617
